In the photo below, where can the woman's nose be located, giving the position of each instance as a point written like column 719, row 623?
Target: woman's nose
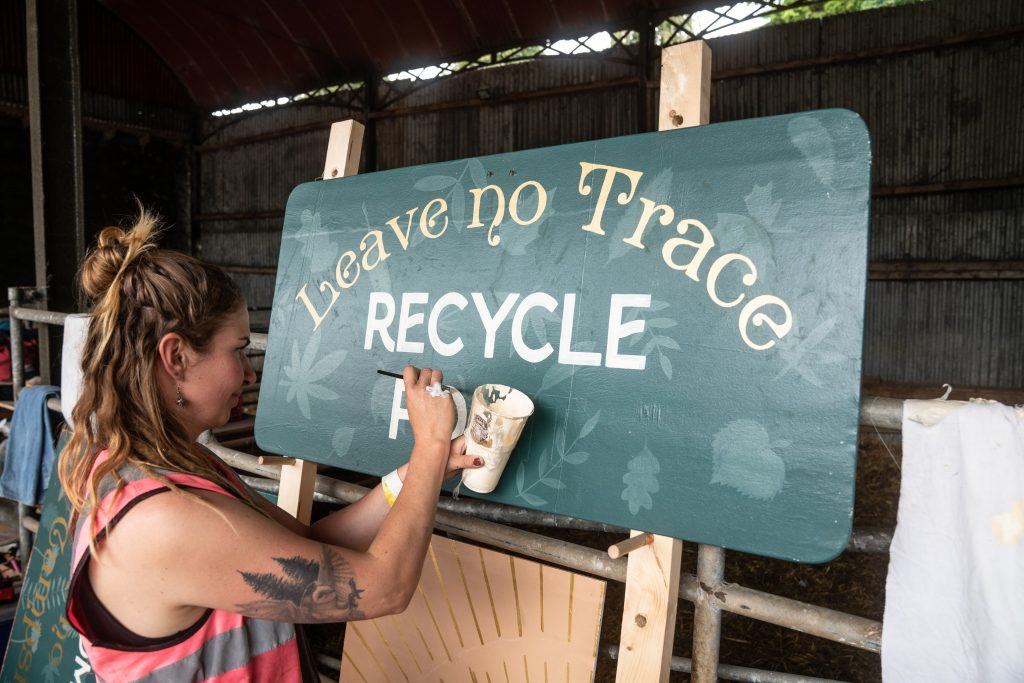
column 250, row 374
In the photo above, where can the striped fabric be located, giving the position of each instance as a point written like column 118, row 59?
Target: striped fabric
column 222, row 647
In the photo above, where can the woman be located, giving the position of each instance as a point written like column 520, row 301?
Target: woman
column 181, row 572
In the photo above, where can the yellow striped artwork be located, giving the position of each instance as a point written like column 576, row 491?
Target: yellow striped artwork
column 481, row 615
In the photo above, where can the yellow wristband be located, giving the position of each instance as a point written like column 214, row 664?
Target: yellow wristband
column 392, row 486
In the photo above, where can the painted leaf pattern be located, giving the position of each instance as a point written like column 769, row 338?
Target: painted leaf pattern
column 303, row 375
column 550, row 463
column 381, row 397
column 641, row 480
column 655, row 341
column 312, row 233
column 558, row 373
column 761, row 207
column 743, row 458
column 342, row 440
column 813, row 140
column 794, row 351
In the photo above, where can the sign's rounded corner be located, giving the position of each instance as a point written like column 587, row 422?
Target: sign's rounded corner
column 855, row 119
column 833, row 547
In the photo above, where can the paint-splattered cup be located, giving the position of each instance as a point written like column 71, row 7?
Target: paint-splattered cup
column 496, row 420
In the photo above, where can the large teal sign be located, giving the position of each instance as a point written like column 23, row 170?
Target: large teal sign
column 685, row 308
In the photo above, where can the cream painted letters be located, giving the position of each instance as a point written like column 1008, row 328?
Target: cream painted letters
column 586, row 168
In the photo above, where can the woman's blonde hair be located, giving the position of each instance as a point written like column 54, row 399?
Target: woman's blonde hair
column 137, row 293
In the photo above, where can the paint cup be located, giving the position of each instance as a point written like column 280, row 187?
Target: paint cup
column 496, row 419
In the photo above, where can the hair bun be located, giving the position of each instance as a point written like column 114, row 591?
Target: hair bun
column 112, row 237
column 115, row 249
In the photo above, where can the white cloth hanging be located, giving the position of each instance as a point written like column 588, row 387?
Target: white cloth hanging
column 76, row 329
column 954, row 608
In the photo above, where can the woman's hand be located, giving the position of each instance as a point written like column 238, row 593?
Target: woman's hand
column 458, row 460
column 431, row 417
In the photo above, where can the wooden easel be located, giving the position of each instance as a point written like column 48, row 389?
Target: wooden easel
column 652, row 573
column 298, row 476
column 652, row 576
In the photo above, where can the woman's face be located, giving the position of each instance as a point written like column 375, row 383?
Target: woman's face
column 214, row 378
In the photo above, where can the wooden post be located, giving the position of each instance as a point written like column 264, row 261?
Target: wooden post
column 685, row 86
column 343, row 149
column 298, row 477
column 652, row 573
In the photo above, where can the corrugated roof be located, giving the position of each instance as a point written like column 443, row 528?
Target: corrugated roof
column 231, row 52
column 113, row 59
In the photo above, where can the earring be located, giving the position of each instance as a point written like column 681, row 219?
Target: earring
column 178, row 398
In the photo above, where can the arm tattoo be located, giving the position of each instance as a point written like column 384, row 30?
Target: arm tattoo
column 306, row 590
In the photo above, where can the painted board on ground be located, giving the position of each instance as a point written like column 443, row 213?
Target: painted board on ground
column 43, row 647
column 685, row 308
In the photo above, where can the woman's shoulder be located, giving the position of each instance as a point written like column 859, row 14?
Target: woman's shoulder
column 136, row 475
column 131, row 482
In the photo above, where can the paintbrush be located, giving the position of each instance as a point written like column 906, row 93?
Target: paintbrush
column 398, row 375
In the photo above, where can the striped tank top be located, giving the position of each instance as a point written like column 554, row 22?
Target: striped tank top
column 221, row 647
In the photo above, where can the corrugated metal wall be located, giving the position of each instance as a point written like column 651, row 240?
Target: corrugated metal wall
column 256, row 177
column 137, row 121
column 940, row 84
column 113, row 60
column 460, row 133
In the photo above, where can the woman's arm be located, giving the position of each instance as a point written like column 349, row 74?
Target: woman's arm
column 173, row 554
column 225, row 555
column 356, row 525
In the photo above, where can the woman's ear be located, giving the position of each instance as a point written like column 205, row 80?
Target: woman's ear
column 171, row 352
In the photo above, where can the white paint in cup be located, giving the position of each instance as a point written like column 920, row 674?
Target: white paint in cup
column 497, row 417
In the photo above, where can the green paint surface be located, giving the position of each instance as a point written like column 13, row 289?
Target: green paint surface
column 706, row 384
column 43, row 647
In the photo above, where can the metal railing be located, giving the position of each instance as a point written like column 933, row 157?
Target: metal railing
column 478, row 521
